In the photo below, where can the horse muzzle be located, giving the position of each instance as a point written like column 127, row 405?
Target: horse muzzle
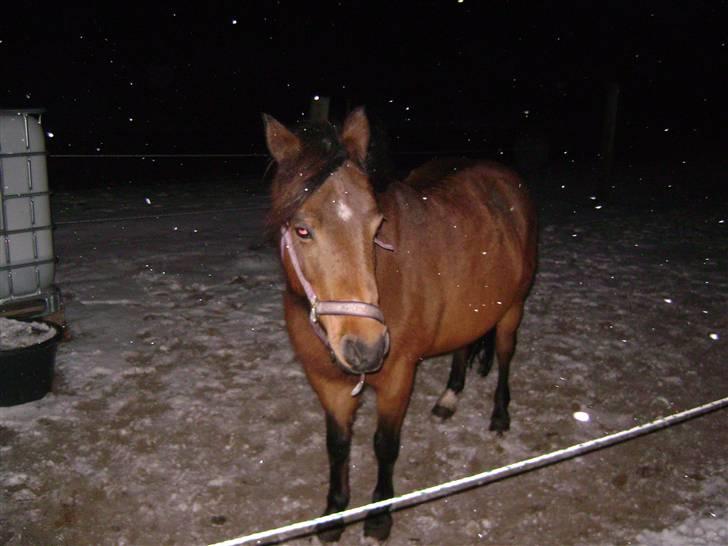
column 362, row 357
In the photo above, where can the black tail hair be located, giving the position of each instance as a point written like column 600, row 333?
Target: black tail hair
column 482, row 350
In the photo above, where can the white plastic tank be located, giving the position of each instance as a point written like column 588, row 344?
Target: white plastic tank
column 27, row 259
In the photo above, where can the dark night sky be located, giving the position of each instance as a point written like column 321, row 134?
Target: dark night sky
column 469, row 74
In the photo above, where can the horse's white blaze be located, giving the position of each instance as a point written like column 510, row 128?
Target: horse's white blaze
column 448, row 400
column 343, row 210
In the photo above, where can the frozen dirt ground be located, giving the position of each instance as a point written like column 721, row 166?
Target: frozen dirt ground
column 179, row 415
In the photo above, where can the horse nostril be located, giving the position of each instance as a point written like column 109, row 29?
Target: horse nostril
column 361, row 356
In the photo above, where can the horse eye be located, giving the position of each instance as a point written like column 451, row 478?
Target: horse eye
column 303, row 233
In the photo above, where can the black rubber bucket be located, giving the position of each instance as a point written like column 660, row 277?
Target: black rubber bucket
column 26, row 373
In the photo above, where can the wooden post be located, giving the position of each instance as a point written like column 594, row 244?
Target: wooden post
column 319, row 109
column 609, row 130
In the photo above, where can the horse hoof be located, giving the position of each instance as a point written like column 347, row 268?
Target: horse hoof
column 442, row 412
column 500, row 423
column 330, row 534
column 378, row 527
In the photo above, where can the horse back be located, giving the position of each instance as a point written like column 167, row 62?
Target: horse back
column 484, row 195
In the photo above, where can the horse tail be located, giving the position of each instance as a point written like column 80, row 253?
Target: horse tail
column 482, row 350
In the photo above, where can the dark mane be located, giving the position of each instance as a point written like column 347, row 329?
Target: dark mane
column 293, row 182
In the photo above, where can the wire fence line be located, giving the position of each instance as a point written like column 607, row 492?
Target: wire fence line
column 152, row 216
column 155, row 156
column 252, row 155
column 449, row 488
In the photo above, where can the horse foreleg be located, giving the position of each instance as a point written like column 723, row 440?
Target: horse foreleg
column 392, row 402
column 505, row 344
column 448, row 401
column 339, row 408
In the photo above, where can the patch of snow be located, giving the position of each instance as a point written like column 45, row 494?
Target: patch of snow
column 16, row 334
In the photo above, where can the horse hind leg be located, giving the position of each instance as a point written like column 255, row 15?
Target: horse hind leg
column 448, row 401
column 462, row 359
column 505, row 344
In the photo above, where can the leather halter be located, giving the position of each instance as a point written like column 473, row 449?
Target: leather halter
column 329, row 307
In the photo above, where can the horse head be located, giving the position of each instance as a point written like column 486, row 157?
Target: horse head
column 328, row 216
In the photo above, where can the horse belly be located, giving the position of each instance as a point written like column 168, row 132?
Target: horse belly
column 478, row 288
column 471, row 313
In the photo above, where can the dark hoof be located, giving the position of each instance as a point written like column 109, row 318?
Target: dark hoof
column 329, row 533
column 500, row 423
column 442, row 412
column 378, row 527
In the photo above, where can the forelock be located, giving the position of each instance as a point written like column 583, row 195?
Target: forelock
column 322, row 152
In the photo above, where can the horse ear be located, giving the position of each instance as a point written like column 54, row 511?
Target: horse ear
column 355, row 134
column 282, row 143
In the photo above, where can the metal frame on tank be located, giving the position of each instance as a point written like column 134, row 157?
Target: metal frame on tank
column 44, row 298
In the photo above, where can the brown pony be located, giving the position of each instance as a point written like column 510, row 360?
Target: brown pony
column 376, row 283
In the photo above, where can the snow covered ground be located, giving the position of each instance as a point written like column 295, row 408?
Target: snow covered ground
column 180, row 416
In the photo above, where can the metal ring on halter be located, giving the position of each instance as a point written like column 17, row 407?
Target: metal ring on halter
column 313, row 314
